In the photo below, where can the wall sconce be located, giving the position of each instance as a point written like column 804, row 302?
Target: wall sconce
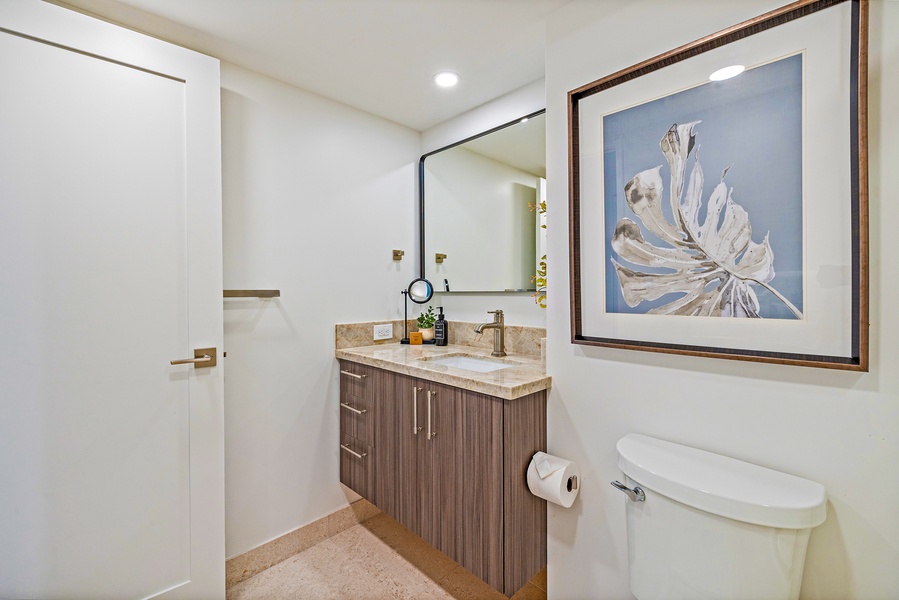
column 398, row 255
column 440, row 258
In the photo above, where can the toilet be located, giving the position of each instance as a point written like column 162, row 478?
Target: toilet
column 705, row 526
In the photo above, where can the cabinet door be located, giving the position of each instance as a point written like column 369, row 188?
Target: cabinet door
column 389, row 428
column 440, row 468
column 398, row 431
column 482, row 486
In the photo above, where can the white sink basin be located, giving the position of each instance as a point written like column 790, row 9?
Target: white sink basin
column 470, row 363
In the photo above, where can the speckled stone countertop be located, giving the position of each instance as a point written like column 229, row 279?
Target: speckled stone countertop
column 526, row 376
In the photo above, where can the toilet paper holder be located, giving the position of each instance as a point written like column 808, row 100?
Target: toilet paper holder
column 572, row 483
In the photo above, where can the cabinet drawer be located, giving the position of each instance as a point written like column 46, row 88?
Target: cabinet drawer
column 357, row 380
column 357, row 418
column 357, row 470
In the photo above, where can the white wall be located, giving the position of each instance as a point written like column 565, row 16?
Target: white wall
column 316, row 195
column 840, row 429
column 519, row 308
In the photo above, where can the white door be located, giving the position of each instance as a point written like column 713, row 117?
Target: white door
column 111, row 459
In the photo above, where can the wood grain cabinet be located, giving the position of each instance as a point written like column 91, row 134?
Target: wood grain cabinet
column 450, row 465
column 357, row 427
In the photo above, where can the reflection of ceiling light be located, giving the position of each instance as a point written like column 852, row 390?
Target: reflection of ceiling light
column 524, row 120
column 446, row 79
column 727, row 72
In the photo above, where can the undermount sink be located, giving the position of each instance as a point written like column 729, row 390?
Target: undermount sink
column 469, row 363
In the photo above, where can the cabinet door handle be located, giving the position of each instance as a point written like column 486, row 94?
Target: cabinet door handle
column 353, row 452
column 355, row 410
column 353, row 374
column 431, row 431
column 415, row 427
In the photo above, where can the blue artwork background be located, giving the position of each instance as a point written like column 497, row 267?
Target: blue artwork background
column 752, row 124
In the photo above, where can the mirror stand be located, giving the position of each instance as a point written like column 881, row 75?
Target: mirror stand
column 419, row 291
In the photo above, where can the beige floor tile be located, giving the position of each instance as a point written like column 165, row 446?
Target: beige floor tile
column 461, row 584
column 323, row 572
column 355, row 513
column 540, row 579
column 530, row 592
column 394, row 574
column 424, row 557
column 376, row 560
column 259, row 559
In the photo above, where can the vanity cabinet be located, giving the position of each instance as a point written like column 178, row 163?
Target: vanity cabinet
column 449, row 464
column 357, row 427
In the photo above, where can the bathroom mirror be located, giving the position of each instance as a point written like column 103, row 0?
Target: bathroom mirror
column 479, row 231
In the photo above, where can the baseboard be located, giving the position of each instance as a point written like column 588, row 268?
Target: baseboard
column 244, row 566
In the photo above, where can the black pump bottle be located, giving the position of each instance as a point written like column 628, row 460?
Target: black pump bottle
column 441, row 335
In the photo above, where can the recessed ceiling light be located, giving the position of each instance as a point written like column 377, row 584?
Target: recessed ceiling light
column 446, row 79
column 727, row 72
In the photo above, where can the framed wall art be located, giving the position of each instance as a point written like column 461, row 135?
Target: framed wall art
column 725, row 215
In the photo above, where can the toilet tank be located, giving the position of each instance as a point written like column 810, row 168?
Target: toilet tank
column 713, row 527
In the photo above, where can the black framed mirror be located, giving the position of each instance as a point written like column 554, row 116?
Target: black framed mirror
column 479, row 230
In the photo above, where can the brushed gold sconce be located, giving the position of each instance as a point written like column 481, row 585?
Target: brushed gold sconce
column 398, row 255
column 440, row 258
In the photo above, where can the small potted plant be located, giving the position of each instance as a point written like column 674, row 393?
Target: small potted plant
column 426, row 322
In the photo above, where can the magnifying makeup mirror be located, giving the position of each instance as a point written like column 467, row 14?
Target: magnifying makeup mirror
column 419, row 291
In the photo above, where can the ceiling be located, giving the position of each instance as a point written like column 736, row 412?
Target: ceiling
column 375, row 55
column 522, row 145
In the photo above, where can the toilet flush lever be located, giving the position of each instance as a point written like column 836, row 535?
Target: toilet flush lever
column 636, row 494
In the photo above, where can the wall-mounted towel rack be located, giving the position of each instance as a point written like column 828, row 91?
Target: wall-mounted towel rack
column 252, row 293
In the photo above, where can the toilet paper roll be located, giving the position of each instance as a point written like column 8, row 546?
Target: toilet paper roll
column 554, row 479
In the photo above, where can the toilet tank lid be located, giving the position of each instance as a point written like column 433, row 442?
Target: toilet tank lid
column 721, row 485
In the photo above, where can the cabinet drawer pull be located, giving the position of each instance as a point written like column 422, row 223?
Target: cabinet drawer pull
column 353, row 374
column 431, row 431
column 415, row 427
column 355, row 410
column 353, row 452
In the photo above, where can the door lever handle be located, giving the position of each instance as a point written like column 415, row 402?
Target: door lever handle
column 203, row 357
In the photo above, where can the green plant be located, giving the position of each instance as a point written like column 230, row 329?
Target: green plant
column 427, row 319
column 539, row 279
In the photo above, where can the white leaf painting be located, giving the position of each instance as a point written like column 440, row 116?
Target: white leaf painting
column 713, row 265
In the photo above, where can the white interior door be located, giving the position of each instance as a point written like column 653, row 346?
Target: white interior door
column 111, row 459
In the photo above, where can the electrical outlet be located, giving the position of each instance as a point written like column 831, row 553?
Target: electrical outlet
column 383, row 331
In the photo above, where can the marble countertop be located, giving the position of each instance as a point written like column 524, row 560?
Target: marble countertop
column 526, row 375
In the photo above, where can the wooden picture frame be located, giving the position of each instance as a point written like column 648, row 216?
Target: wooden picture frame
column 663, row 259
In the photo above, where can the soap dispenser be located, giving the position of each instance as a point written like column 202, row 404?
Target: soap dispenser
column 441, row 335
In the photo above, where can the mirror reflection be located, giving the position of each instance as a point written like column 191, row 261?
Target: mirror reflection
column 480, row 231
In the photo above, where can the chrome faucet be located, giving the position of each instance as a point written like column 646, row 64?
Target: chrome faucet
column 499, row 332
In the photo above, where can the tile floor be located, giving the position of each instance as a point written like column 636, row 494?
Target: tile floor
column 378, row 559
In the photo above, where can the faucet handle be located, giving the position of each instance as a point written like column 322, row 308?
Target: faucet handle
column 495, row 312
